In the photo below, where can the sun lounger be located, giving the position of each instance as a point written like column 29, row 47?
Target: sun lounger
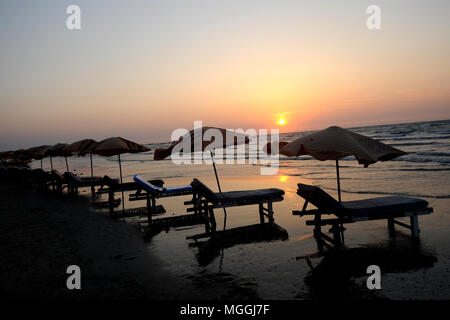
column 74, row 182
column 55, row 180
column 205, row 201
column 361, row 210
column 160, row 191
column 154, row 189
column 113, row 185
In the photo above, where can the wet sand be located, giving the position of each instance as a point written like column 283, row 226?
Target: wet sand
column 41, row 235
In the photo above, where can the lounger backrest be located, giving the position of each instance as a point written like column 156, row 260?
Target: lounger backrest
column 109, row 181
column 202, row 189
column 58, row 174
column 149, row 187
column 70, row 175
column 319, row 198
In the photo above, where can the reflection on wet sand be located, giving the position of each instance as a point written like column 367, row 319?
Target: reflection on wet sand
column 222, row 285
column 337, row 273
column 210, row 249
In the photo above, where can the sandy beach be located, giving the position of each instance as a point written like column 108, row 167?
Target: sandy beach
column 42, row 235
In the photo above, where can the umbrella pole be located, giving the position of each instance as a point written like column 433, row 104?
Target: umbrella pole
column 341, row 227
column 120, row 169
column 51, row 163
column 92, row 167
column 92, row 176
column 338, row 181
column 67, row 165
column 220, row 190
column 41, row 164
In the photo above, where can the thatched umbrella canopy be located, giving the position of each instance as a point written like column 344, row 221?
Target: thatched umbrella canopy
column 38, row 152
column 116, row 146
column 57, row 150
column 163, row 153
column 80, row 148
column 335, row 143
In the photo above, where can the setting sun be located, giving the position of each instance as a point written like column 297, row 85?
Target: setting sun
column 281, row 122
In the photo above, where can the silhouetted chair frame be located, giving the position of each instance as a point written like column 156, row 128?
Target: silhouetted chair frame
column 150, row 190
column 74, row 182
column 205, row 201
column 388, row 208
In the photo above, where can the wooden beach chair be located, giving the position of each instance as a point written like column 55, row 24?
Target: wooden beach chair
column 55, row 180
column 111, row 186
column 74, row 182
column 150, row 190
column 388, row 208
column 205, row 201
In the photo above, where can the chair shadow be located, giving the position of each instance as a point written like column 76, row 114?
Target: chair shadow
column 334, row 276
column 209, row 250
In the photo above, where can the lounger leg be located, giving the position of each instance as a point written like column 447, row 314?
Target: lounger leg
column 391, row 224
column 336, row 235
column 261, row 212
column 149, row 211
column 212, row 219
column 203, row 211
column 318, row 232
column 111, row 203
column 414, row 226
column 270, row 211
column 195, row 203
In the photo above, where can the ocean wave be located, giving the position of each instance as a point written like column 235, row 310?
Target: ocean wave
column 424, row 160
column 383, row 138
column 424, row 169
column 403, row 131
column 432, row 153
column 401, row 194
column 405, row 144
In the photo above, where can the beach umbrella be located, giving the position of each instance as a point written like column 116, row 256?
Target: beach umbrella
column 57, row 150
column 198, row 133
column 21, row 155
column 82, row 148
column 17, row 156
column 116, row 146
column 6, row 154
column 268, row 146
column 335, row 143
column 25, row 154
column 37, row 153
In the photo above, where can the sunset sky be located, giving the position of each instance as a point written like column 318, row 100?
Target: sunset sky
column 140, row 69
